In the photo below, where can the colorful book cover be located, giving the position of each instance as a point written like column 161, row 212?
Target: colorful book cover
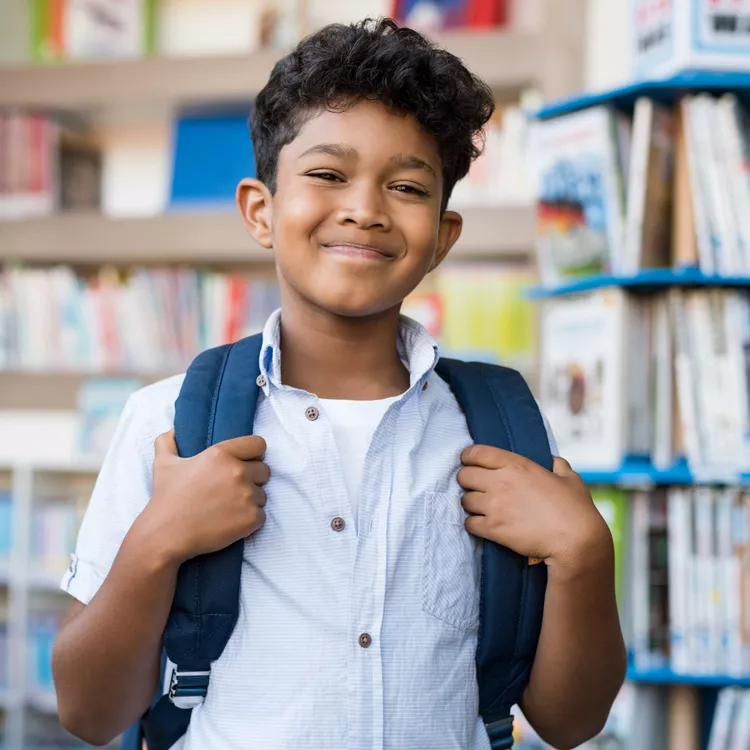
column 580, row 199
column 100, row 403
column 92, row 29
column 612, row 503
column 583, row 383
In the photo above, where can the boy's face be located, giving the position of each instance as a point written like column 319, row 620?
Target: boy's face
column 355, row 223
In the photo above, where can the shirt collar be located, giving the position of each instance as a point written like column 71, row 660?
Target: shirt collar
column 417, row 349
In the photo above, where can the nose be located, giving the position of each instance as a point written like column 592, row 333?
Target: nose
column 363, row 206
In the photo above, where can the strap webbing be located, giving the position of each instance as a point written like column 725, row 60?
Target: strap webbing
column 502, row 412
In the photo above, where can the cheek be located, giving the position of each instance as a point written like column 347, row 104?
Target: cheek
column 302, row 213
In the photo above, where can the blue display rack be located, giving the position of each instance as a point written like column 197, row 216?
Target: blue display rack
column 668, row 677
column 638, row 471
column 648, row 280
column 666, row 90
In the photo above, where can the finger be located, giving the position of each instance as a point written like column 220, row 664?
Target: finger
column 259, row 497
column 475, row 478
column 477, row 525
column 561, row 467
column 474, row 503
column 487, row 457
column 246, row 447
column 257, row 472
column 165, row 444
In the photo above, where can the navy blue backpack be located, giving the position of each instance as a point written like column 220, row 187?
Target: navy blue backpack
column 216, row 403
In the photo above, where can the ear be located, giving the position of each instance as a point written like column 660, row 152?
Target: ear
column 449, row 231
column 255, row 206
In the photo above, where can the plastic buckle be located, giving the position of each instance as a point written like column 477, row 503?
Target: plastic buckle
column 500, row 733
column 188, row 689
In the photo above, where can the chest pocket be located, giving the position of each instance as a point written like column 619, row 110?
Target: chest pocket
column 451, row 563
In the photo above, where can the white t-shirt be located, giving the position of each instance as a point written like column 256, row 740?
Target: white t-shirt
column 354, row 423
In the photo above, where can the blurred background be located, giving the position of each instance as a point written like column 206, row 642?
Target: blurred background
column 605, row 252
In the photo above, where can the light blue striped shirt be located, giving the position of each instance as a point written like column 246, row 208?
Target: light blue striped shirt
column 361, row 638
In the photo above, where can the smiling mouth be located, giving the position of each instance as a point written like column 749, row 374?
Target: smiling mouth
column 355, row 250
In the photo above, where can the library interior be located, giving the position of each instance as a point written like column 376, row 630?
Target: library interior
column 123, row 137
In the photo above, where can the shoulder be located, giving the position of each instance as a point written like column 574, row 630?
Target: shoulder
column 448, row 397
column 150, row 410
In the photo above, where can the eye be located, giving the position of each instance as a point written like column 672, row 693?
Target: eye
column 411, row 190
column 327, row 176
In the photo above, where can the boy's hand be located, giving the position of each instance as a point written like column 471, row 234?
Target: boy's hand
column 207, row 502
column 537, row 513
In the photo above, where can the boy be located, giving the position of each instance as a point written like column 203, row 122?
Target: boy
column 359, row 596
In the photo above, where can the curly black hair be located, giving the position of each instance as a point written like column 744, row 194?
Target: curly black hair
column 377, row 60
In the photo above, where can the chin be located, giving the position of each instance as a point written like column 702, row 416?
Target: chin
column 348, row 305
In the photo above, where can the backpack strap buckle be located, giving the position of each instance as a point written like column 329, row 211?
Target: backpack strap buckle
column 188, row 689
column 500, row 733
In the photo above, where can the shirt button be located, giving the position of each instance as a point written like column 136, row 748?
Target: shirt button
column 338, row 524
column 424, row 386
column 365, row 640
column 312, row 413
column 260, row 381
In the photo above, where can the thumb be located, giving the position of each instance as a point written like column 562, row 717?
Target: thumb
column 165, row 445
column 562, row 468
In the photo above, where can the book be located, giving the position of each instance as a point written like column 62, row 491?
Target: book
column 580, row 194
column 478, row 311
column 100, row 402
column 92, row 29
column 684, row 250
column 612, row 503
column 583, row 376
column 649, row 193
column 211, row 154
column 141, row 321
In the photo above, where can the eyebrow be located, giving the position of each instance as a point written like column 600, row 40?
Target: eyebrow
column 408, row 161
column 405, row 161
column 332, row 149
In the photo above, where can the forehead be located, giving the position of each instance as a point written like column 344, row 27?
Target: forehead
column 370, row 129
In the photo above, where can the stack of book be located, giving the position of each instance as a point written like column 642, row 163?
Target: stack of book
column 45, row 167
column 730, row 729
column 663, row 186
column 146, row 321
column 688, row 582
column 665, row 375
column 478, row 311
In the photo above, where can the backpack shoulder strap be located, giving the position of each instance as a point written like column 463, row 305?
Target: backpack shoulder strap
column 217, row 402
column 502, row 412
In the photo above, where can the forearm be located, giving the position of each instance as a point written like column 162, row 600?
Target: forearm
column 580, row 661
column 105, row 661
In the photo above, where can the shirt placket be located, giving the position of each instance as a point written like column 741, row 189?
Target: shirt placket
column 368, row 591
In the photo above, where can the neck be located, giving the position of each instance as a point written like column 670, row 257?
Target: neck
column 338, row 357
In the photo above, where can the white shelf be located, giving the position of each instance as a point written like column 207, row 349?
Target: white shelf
column 508, row 60
column 218, row 237
column 74, row 466
column 44, row 701
column 40, row 579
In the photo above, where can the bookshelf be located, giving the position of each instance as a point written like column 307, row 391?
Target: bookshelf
column 235, row 78
column 668, row 677
column 696, row 683
column 24, row 582
column 647, row 280
column 667, row 91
